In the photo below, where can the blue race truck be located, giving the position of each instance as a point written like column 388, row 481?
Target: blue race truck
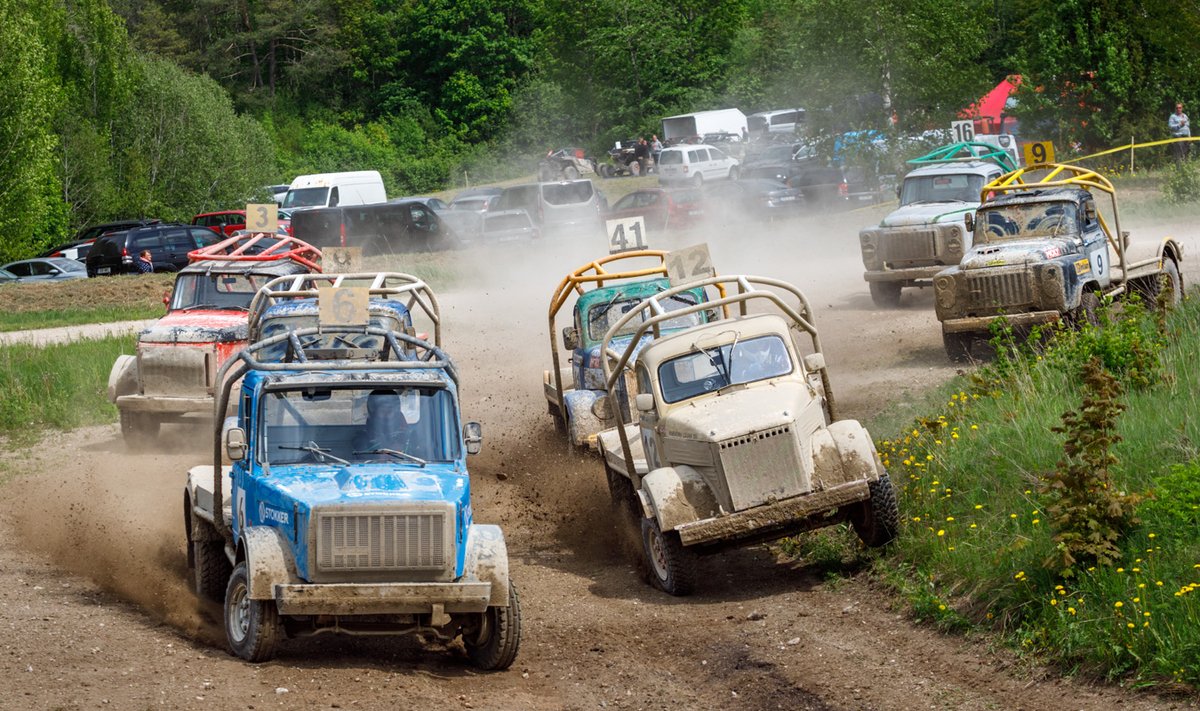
column 347, row 506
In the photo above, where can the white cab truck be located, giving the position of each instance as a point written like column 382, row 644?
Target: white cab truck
column 736, row 438
column 927, row 232
column 359, row 187
column 688, row 126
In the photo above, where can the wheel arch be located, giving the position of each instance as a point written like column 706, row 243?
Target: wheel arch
column 676, row 495
column 268, row 560
column 123, row 378
column 486, row 560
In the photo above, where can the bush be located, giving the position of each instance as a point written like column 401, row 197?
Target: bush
column 1182, row 183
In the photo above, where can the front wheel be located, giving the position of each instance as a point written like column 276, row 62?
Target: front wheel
column 251, row 626
column 958, row 346
column 671, row 565
column 493, row 646
column 885, row 294
column 877, row 520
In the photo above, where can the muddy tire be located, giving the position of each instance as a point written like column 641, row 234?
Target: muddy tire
column 1151, row 288
column 139, row 430
column 605, row 170
column 210, row 577
column 252, row 627
column 877, row 520
column 1087, row 313
column 958, row 346
column 635, row 168
column 571, row 173
column 885, row 294
column 493, row 646
column 670, row 565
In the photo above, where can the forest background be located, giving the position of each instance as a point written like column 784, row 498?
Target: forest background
column 166, row 108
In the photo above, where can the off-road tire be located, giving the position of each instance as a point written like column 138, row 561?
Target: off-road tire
column 571, row 173
column 139, row 430
column 624, row 498
column 210, row 577
column 635, row 168
column 1151, row 287
column 252, row 627
column 885, row 294
column 671, row 566
column 605, row 170
column 877, row 520
column 958, row 346
column 493, row 647
column 1087, row 313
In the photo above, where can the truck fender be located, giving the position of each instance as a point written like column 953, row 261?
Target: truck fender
column 268, row 560
column 581, row 421
column 842, row 453
column 1143, row 251
column 123, row 378
column 487, row 560
column 675, row 496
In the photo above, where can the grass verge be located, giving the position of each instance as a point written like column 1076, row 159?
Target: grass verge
column 21, row 321
column 59, row 386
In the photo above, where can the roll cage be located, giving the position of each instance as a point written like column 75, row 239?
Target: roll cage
column 964, row 152
column 260, row 247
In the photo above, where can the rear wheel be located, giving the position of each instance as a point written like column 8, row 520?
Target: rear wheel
column 877, row 520
column 213, row 570
column 698, row 180
column 958, row 346
column 139, row 430
column 605, row 170
column 885, row 294
column 493, row 646
column 251, row 626
column 1168, row 285
column 671, row 566
column 571, row 173
column 635, row 168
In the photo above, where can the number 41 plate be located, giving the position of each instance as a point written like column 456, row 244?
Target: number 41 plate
column 626, row 234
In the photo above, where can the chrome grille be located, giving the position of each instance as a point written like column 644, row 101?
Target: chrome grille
column 908, row 245
column 999, row 290
column 383, row 541
column 761, row 466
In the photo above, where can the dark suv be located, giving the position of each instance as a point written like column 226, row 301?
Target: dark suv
column 169, row 245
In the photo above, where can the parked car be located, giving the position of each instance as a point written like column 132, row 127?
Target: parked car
column 91, row 232
column 7, row 277
column 757, row 198
column 508, row 226
column 476, row 199
column 695, row 164
column 223, row 222
column 402, row 225
column 660, row 208
column 47, row 269
column 168, row 243
column 77, row 250
column 567, row 207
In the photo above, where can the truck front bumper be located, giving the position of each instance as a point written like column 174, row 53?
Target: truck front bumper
column 382, row 598
column 165, row 405
column 781, row 516
column 914, row 274
column 975, row 324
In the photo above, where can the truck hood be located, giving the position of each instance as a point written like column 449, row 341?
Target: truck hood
column 198, row 326
column 1016, row 253
column 925, row 213
column 323, row 484
column 710, row 418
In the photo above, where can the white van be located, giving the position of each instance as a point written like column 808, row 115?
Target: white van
column 694, row 163
column 361, row 187
column 781, row 121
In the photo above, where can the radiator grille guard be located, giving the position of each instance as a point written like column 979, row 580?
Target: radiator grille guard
column 908, row 246
column 370, row 541
column 762, row 466
column 999, row 290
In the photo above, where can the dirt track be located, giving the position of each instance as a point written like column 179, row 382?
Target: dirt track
column 100, row 612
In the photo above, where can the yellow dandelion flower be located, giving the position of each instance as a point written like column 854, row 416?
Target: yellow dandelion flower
column 1120, row 570
column 1037, row 520
column 978, row 506
column 1153, row 535
column 974, row 427
column 953, row 435
column 1012, row 515
column 1158, row 583
column 916, row 519
column 1053, row 601
column 941, row 532
column 1071, row 610
column 1145, row 614
column 1118, row 604
column 942, row 608
column 1129, row 625
column 974, row 526
column 949, row 518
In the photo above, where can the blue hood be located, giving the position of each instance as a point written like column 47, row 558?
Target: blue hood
column 322, row 484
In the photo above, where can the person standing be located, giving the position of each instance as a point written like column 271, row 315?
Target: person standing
column 143, row 263
column 641, row 153
column 656, row 147
column 1178, row 125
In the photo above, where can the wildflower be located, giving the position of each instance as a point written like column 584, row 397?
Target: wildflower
column 1053, row 601
column 1012, row 515
column 1120, row 570
column 974, row 427
column 1071, row 610
column 941, row 532
column 1118, row 604
column 942, row 608
column 916, row 519
column 949, row 518
column 978, row 506
column 1145, row 614
column 1037, row 520
column 1141, row 586
column 1158, row 583
column 1153, row 535
column 973, row 526
column 1129, row 625
column 1020, row 575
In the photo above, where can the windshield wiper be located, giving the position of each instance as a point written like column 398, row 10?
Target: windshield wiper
column 396, row 453
column 314, row 448
column 604, row 309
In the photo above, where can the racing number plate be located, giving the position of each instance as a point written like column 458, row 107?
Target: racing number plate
column 689, row 264
column 262, row 218
column 343, row 305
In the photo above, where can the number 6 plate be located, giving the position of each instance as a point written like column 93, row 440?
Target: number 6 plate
column 343, row 305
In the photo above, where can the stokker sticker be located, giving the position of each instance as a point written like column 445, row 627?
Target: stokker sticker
column 1083, row 266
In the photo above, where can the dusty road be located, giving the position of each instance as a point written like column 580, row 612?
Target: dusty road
column 96, row 611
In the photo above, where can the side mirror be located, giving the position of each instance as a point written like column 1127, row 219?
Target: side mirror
column 644, row 402
column 54, row 271
column 814, row 362
column 969, row 220
column 473, row 436
column 570, row 338
column 235, row 443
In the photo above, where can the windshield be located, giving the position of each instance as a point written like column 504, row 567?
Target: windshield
column 320, row 425
column 215, row 291
column 603, row 316
column 941, row 188
column 306, row 197
column 1007, row 223
column 711, row 368
column 567, row 193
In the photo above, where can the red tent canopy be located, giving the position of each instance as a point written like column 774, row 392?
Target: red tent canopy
column 992, row 104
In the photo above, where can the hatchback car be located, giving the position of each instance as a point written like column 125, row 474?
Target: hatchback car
column 48, row 269
column 168, row 244
column 224, row 222
column 476, row 199
column 694, row 164
column 661, row 209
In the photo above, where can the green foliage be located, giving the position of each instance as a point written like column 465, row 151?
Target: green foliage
column 1174, row 503
column 1182, row 184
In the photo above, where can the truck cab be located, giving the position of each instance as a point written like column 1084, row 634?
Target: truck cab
column 735, row 439
column 347, row 504
column 927, row 232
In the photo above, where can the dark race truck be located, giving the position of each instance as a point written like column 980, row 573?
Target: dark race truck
column 1045, row 251
column 347, row 507
column 927, row 232
column 736, row 438
column 601, row 292
column 172, row 377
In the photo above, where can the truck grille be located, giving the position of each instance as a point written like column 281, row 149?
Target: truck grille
column 761, row 466
column 383, row 541
column 996, row 290
column 181, row 371
column 909, row 245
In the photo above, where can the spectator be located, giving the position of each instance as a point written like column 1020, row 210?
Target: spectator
column 656, row 147
column 1178, row 125
column 641, row 153
column 143, row 263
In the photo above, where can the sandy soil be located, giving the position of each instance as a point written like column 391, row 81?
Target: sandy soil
column 96, row 609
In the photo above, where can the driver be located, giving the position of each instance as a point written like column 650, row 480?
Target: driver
column 385, row 427
column 759, row 358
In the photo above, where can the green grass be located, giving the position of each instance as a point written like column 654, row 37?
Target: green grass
column 22, row 321
column 57, row 386
column 976, row 532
